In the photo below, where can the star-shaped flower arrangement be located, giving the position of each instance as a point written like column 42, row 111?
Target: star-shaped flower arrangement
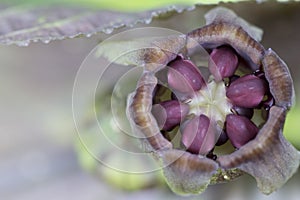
column 190, row 115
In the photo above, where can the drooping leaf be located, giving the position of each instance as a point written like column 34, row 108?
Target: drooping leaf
column 138, row 51
column 21, row 25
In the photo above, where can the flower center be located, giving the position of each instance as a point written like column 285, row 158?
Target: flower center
column 209, row 111
column 211, row 101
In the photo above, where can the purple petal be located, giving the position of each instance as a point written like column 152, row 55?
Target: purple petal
column 196, row 136
column 184, row 76
column 222, row 63
column 247, row 91
column 240, row 130
column 169, row 114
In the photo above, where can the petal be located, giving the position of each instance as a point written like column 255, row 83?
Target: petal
column 138, row 111
column 187, row 173
column 217, row 34
column 279, row 78
column 270, row 158
column 221, row 14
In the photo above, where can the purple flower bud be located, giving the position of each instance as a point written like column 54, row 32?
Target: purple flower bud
column 247, row 91
column 169, row 114
column 240, row 130
column 222, row 63
column 184, row 76
column 197, row 137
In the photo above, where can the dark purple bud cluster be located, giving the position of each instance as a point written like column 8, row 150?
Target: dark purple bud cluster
column 215, row 110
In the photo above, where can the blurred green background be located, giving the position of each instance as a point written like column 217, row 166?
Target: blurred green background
column 129, row 5
column 40, row 156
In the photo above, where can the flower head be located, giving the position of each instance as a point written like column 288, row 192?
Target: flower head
column 242, row 101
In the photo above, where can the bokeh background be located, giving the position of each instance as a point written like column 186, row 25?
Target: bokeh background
column 39, row 153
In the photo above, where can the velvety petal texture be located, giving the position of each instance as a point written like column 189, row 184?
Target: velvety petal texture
column 269, row 158
column 279, row 77
column 187, row 173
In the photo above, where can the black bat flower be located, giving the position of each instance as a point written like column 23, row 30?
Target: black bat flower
column 240, row 100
